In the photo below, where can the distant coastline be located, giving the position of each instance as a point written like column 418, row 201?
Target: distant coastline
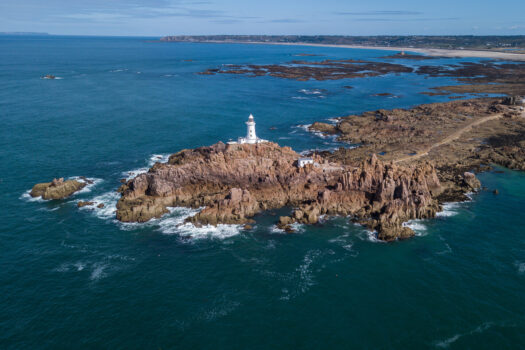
column 455, row 46
column 426, row 51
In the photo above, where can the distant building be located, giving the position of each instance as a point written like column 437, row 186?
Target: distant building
column 251, row 136
column 301, row 162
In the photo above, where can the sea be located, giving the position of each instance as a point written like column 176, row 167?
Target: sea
column 75, row 278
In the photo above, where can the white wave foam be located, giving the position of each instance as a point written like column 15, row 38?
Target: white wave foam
column 311, row 92
column 90, row 183
column 297, row 227
column 158, row 158
column 98, row 271
column 27, row 197
column 306, row 276
column 109, row 199
column 134, row 173
column 417, row 226
column 222, row 308
column 300, row 98
column 174, row 223
column 449, row 209
column 154, row 158
column 305, row 127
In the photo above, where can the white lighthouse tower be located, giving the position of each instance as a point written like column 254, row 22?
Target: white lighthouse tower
column 251, row 136
column 250, row 132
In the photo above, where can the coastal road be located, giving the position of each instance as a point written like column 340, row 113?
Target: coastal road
column 454, row 136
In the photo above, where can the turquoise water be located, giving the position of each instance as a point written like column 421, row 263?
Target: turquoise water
column 73, row 278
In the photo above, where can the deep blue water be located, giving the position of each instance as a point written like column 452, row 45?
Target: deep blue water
column 73, row 278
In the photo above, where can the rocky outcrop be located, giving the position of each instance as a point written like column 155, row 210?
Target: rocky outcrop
column 380, row 196
column 471, row 181
column 234, row 182
column 323, row 127
column 56, row 189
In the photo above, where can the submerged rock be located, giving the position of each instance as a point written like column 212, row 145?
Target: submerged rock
column 56, row 189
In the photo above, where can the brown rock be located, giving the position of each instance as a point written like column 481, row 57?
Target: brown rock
column 100, row 206
column 235, row 182
column 57, row 189
column 470, row 180
column 81, row 204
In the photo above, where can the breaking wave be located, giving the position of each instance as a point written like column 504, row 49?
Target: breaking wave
column 27, row 197
column 417, row 226
column 174, row 223
column 155, row 158
column 449, row 209
column 90, row 182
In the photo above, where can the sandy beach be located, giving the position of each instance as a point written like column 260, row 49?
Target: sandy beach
column 430, row 52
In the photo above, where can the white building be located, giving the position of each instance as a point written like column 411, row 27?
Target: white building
column 301, row 162
column 251, row 136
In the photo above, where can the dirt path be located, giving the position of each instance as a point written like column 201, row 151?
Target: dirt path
column 454, row 136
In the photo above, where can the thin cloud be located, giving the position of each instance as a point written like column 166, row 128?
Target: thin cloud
column 405, row 19
column 282, row 20
column 380, row 13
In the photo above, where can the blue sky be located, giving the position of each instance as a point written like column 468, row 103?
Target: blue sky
column 187, row 17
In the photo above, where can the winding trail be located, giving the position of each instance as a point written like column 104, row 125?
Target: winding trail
column 454, row 136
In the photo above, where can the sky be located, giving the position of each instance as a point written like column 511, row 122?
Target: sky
column 306, row 17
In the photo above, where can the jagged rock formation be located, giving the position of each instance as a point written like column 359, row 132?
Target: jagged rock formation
column 56, row 189
column 235, row 182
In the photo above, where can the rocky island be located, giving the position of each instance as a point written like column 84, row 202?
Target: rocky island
column 57, row 189
column 409, row 162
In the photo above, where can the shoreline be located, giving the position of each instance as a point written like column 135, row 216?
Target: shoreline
column 426, row 51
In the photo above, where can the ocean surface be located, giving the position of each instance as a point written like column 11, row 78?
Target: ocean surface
column 76, row 279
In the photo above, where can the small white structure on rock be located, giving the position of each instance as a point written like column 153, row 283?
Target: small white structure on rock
column 251, row 136
column 301, row 162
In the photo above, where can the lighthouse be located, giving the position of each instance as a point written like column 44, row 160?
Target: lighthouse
column 250, row 132
column 251, row 136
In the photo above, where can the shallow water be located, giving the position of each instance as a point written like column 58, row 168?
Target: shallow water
column 77, row 278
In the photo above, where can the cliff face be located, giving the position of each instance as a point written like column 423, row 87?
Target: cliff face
column 234, row 182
